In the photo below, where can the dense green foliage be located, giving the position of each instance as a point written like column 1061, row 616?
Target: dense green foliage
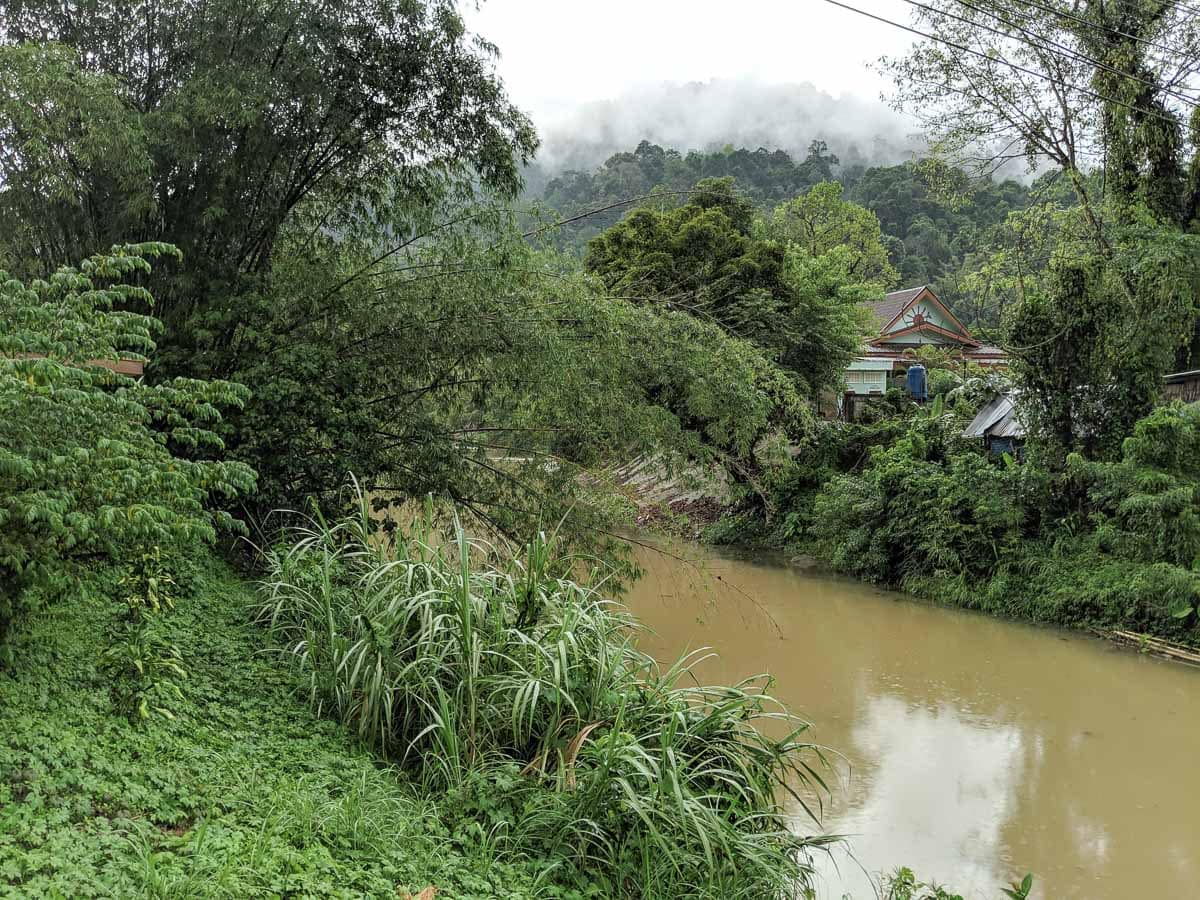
column 230, row 115
column 426, row 368
column 935, row 220
column 244, row 794
column 354, row 295
column 820, row 221
column 340, row 204
column 94, row 464
column 347, row 258
column 464, row 668
column 1094, row 335
column 254, row 135
column 706, row 258
column 764, row 176
column 1104, row 544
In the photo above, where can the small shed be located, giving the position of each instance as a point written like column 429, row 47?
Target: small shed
column 131, row 367
column 1183, row 386
column 999, row 427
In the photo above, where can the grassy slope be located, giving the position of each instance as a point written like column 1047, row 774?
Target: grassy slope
column 246, row 793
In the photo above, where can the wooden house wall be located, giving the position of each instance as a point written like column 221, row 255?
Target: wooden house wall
column 1187, row 390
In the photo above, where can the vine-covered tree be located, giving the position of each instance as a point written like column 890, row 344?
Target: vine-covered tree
column 1073, row 85
column 1092, row 336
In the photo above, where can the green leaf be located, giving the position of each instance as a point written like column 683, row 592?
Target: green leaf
column 1180, row 609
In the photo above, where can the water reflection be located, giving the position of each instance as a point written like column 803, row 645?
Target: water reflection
column 942, row 783
column 976, row 749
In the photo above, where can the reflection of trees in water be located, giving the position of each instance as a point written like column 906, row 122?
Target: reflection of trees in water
column 998, row 748
column 941, row 785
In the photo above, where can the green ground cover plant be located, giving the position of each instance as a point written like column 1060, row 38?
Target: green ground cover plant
column 244, row 793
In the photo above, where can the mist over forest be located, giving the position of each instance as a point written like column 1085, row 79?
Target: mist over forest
column 709, row 115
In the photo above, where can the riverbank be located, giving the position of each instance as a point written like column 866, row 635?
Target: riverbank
column 912, row 505
column 239, row 788
column 244, row 793
column 403, row 718
column 1104, row 598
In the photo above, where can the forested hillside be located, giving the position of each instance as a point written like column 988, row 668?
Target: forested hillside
column 937, row 222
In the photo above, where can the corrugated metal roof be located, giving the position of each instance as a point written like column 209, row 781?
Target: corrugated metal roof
column 986, row 418
column 1009, row 426
column 998, row 418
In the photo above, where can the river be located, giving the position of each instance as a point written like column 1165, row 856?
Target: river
column 973, row 749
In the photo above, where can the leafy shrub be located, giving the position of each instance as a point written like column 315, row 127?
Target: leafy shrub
column 144, row 665
column 94, row 463
column 1146, row 505
column 514, row 676
column 793, row 483
column 145, row 668
column 1110, row 544
column 929, row 505
column 943, row 381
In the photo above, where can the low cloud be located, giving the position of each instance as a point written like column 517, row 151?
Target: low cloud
column 744, row 113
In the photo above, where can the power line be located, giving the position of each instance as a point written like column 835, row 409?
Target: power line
column 1049, row 42
column 1097, row 26
column 1184, row 7
column 999, row 59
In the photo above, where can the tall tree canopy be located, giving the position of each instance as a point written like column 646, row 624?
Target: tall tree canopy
column 208, row 124
column 705, row 258
column 763, row 176
column 821, row 220
column 935, row 219
column 1070, row 84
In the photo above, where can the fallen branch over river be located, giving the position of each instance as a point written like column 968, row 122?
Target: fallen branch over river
column 1149, row 644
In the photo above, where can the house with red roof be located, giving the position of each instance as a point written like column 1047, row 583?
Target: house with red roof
column 906, row 321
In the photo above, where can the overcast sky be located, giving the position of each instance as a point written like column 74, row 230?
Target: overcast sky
column 558, row 54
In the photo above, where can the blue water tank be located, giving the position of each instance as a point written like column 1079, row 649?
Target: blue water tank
column 916, row 383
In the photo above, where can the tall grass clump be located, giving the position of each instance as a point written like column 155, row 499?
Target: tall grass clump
column 505, row 684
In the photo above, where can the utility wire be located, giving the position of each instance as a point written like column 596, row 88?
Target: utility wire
column 1087, row 92
column 1048, row 43
column 1097, row 26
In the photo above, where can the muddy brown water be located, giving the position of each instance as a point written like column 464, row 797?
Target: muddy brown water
column 974, row 749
